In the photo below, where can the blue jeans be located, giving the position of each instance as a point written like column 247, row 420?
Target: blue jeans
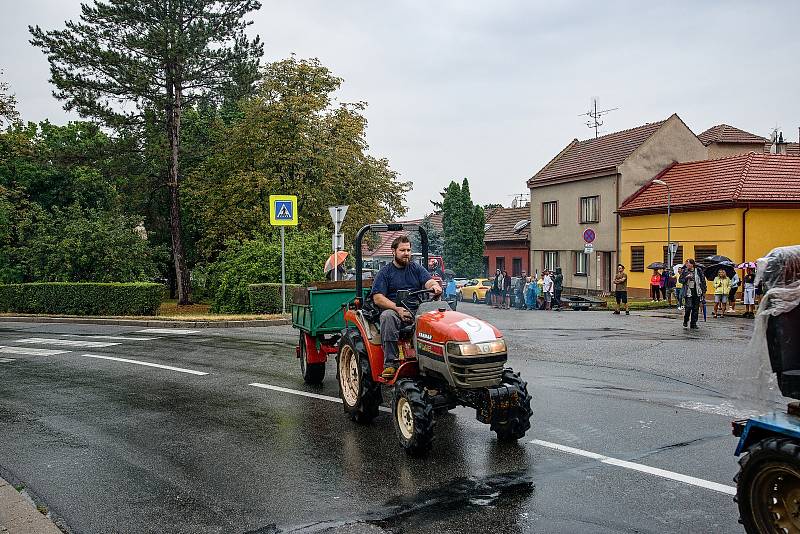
column 679, row 295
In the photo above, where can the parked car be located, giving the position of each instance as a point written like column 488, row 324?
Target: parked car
column 475, row 290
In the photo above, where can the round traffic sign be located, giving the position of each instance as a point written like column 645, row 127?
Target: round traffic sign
column 588, row 235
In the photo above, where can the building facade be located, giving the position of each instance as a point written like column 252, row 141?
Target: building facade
column 507, row 241
column 741, row 207
column 583, row 186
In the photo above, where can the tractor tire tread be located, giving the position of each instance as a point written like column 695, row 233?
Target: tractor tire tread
column 370, row 397
column 519, row 421
column 424, row 420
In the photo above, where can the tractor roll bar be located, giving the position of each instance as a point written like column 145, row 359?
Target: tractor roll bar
column 390, row 227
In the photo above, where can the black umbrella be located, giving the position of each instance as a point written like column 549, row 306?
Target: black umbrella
column 713, row 260
column 711, row 270
column 657, row 265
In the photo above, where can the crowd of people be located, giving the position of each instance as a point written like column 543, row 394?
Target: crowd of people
column 539, row 291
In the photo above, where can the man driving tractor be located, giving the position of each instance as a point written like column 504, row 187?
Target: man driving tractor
column 401, row 274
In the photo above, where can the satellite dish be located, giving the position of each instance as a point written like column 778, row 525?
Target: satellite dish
column 486, row 227
column 521, row 224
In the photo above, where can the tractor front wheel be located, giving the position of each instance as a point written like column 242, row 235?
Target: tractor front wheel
column 313, row 373
column 413, row 417
column 361, row 396
column 519, row 415
column 768, row 487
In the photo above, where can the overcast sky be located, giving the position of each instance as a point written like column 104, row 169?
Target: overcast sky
column 492, row 90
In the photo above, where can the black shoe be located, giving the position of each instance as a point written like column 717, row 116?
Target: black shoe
column 616, row 312
column 695, row 327
column 627, row 312
column 686, row 325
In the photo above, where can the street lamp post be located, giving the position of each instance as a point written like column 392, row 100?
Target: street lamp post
column 669, row 214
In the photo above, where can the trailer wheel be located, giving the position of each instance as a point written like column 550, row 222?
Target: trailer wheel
column 768, row 487
column 519, row 416
column 313, row 373
column 360, row 396
column 413, row 417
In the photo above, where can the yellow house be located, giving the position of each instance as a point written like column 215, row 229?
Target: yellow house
column 740, row 207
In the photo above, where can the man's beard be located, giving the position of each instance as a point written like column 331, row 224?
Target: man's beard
column 401, row 260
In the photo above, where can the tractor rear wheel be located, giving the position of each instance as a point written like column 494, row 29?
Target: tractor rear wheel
column 519, row 415
column 313, row 373
column 413, row 417
column 360, row 396
column 768, row 487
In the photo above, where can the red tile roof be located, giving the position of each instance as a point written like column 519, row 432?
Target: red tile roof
column 593, row 155
column 737, row 180
column 502, row 222
column 723, row 133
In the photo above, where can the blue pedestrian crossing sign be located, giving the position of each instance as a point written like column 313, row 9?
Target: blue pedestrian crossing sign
column 283, row 210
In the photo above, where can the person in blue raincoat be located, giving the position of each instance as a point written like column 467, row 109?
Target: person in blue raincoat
column 532, row 294
column 450, row 291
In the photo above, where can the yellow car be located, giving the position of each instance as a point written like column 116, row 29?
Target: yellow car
column 476, row 289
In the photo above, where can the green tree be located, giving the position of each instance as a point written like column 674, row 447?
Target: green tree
column 8, row 104
column 130, row 60
column 463, row 224
column 291, row 139
column 435, row 238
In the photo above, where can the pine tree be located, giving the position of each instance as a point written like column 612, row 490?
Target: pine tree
column 129, row 60
column 463, row 224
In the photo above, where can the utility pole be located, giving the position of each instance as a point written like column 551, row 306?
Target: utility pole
column 595, row 115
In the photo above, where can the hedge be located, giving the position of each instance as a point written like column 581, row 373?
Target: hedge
column 73, row 298
column 266, row 298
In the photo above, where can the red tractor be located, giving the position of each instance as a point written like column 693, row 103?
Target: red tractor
column 447, row 358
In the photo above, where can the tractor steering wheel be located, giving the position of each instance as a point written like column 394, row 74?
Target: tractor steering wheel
column 413, row 299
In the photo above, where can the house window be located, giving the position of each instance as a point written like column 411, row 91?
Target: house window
column 550, row 260
column 704, row 251
column 590, row 209
column 677, row 259
column 500, row 263
column 516, row 267
column 637, row 259
column 581, row 264
column 550, row 213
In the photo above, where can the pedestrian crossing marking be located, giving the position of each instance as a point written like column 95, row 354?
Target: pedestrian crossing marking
column 65, row 342
column 29, row 351
column 166, row 331
column 112, row 338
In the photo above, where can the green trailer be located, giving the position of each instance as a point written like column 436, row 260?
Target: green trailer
column 318, row 313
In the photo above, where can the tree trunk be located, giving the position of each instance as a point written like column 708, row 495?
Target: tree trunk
column 174, row 125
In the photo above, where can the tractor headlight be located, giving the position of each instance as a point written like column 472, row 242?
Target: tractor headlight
column 477, row 349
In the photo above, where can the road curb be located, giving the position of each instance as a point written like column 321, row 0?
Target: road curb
column 20, row 516
column 147, row 322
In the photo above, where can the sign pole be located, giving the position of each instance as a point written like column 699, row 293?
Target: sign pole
column 283, row 269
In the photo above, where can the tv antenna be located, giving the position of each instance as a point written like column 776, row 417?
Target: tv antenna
column 595, row 115
column 519, row 200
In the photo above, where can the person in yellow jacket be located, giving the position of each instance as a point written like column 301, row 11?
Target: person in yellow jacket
column 722, row 286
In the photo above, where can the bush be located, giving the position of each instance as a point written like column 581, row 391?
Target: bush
column 68, row 298
column 266, row 298
column 258, row 261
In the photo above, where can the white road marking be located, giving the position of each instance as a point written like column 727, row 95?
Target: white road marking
column 65, row 342
column 113, row 338
column 307, row 394
column 148, row 364
column 686, row 479
column 178, row 331
column 25, row 351
column 7, row 360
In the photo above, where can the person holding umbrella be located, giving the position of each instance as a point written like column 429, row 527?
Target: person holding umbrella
column 655, row 286
column 334, row 267
column 694, row 284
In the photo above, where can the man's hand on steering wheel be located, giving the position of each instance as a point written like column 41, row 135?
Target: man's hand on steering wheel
column 436, row 287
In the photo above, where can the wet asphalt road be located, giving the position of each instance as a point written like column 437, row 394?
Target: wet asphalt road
column 112, row 446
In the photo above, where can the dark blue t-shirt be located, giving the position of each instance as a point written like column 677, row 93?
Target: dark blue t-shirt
column 391, row 279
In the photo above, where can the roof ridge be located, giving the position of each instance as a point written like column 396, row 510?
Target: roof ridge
column 738, row 193
column 626, row 130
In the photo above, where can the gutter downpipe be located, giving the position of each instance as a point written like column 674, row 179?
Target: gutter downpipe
column 744, row 233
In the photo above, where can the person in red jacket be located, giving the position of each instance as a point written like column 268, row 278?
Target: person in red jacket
column 655, row 286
